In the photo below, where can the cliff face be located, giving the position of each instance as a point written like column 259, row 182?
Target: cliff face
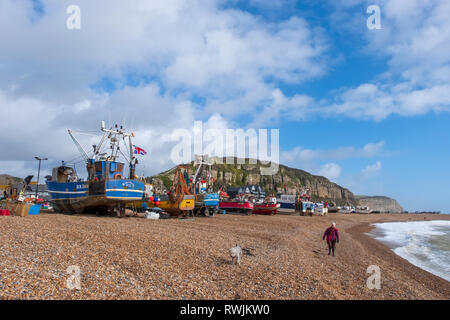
column 379, row 203
column 5, row 179
column 286, row 180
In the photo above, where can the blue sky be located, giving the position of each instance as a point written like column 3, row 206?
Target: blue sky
column 366, row 108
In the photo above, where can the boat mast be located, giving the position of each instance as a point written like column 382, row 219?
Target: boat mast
column 112, row 135
column 132, row 159
column 202, row 160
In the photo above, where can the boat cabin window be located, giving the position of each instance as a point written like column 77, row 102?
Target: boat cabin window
column 116, row 167
column 98, row 167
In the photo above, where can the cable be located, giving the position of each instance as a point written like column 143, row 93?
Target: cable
column 123, row 155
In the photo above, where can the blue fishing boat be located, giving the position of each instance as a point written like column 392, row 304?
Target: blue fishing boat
column 106, row 189
column 211, row 200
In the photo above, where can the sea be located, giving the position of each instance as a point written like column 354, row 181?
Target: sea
column 426, row 244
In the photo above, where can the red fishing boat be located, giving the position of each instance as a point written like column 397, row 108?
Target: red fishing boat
column 236, row 206
column 266, row 208
column 270, row 207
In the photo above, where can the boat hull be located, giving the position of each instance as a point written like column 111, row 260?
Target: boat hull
column 211, row 200
column 94, row 196
column 175, row 208
column 206, row 204
column 187, row 203
column 269, row 209
column 287, row 203
column 242, row 207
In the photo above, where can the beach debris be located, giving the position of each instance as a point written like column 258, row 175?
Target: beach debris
column 130, row 213
column 151, row 215
column 164, row 215
column 156, row 211
column 248, row 251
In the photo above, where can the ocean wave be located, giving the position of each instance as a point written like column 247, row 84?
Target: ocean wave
column 426, row 244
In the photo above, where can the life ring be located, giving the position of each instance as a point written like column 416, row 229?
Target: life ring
column 117, row 176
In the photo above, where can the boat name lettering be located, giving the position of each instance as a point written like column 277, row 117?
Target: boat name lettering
column 128, row 184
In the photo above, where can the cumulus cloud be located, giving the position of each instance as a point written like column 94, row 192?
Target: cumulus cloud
column 196, row 46
column 330, row 170
column 415, row 40
column 415, row 43
column 371, row 170
column 299, row 154
column 154, row 66
column 312, row 159
column 279, row 107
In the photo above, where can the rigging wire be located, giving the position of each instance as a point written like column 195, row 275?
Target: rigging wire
column 123, row 155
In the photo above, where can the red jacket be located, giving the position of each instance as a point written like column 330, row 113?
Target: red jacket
column 331, row 233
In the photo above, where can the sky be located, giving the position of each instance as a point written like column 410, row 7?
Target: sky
column 366, row 108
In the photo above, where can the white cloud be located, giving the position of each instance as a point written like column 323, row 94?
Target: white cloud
column 330, row 170
column 371, row 101
column 299, row 155
column 415, row 40
column 371, row 170
column 176, row 52
column 312, row 160
column 278, row 106
column 216, row 53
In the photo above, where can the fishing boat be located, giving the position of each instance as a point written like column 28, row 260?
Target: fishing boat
column 307, row 207
column 287, row 203
column 176, row 206
column 180, row 200
column 332, row 207
column 320, row 209
column 212, row 200
column 239, row 206
column 268, row 206
column 363, row 209
column 347, row 208
column 206, row 204
column 106, row 189
column 206, row 201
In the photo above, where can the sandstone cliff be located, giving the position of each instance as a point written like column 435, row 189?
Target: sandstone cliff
column 380, row 203
column 286, row 180
column 5, row 179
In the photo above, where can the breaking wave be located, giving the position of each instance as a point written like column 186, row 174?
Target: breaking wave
column 426, row 244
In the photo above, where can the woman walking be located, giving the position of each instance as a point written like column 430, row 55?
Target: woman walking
column 332, row 235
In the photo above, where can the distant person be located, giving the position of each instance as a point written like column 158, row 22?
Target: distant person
column 5, row 194
column 332, row 235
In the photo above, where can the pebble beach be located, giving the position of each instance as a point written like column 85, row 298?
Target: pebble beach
column 135, row 258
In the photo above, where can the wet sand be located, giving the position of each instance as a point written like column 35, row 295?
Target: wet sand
column 133, row 258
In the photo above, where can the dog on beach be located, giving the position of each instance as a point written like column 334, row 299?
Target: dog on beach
column 236, row 254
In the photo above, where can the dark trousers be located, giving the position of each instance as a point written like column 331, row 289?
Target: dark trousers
column 331, row 246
